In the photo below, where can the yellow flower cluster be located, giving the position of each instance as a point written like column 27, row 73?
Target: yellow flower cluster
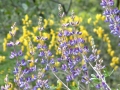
column 98, row 18
column 53, row 40
column 115, row 60
column 8, row 37
column 2, row 59
column 49, row 22
column 99, row 31
column 26, row 20
column 59, row 85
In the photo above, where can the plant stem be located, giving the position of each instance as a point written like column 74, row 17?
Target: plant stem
column 59, row 79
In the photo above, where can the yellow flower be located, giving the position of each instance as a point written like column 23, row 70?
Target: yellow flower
column 31, row 64
column 35, row 29
column 115, row 60
column 25, row 43
column 46, row 35
column 99, row 31
column 9, row 36
column 45, row 23
column 112, row 64
column 59, row 85
column 2, row 59
column 26, row 17
column 51, row 22
column 51, row 31
column 73, row 83
column 103, row 18
column 89, row 20
column 4, row 46
column 95, row 22
column 38, row 89
column 98, row 52
column 57, row 64
column 112, row 53
column 98, row 16
column 11, row 86
column 116, row 67
column 22, row 48
column 26, row 57
column 109, row 46
column 109, row 50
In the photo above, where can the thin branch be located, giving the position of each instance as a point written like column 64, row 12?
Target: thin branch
column 63, row 6
column 118, row 3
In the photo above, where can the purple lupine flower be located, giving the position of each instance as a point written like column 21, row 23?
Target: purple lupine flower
column 41, row 54
column 86, row 49
column 13, row 54
column 66, row 33
column 49, row 53
column 69, row 78
column 23, row 62
column 76, row 72
column 28, row 79
column 71, row 64
column 77, row 32
column 77, row 59
column 22, row 84
column 85, row 79
column 17, row 42
column 80, row 40
column 47, row 67
column 75, row 51
column 60, row 34
column 112, row 16
column 26, row 71
column 20, row 53
column 64, row 67
column 27, row 86
column 52, row 61
column 33, row 68
column 91, row 57
column 72, row 42
column 44, row 46
column 35, row 88
column 47, row 86
column 43, row 61
column 54, row 69
column 59, row 59
column 15, row 70
column 10, row 44
column 36, row 60
column 84, row 67
column 39, row 46
column 104, row 85
column 63, row 44
column 66, row 52
column 98, row 86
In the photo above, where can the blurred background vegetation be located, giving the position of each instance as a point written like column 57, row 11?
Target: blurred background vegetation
column 15, row 10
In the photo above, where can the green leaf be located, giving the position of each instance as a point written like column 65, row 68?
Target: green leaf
column 92, row 75
column 25, row 7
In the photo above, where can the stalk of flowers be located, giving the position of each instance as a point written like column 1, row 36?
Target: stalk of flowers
column 72, row 52
column 25, row 70
column 112, row 16
column 23, row 67
column 98, row 67
column 69, row 51
column 8, row 85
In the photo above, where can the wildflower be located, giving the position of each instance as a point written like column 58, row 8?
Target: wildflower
column 112, row 16
column 89, row 20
